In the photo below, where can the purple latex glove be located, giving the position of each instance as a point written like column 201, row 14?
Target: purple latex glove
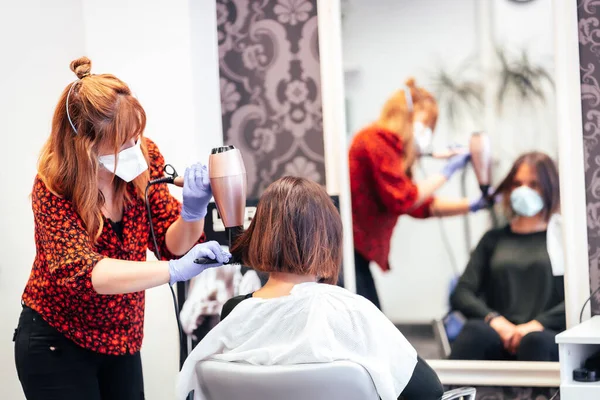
column 455, row 163
column 185, row 268
column 196, row 193
column 484, row 201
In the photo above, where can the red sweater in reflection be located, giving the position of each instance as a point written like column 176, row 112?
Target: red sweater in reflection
column 381, row 192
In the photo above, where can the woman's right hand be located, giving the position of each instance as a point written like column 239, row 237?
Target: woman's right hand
column 196, row 193
column 455, row 163
column 504, row 328
column 185, row 268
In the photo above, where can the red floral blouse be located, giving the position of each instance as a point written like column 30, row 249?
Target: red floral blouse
column 60, row 287
column 380, row 191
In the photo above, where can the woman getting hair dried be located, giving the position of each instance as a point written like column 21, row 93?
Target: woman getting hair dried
column 300, row 316
column 511, row 291
column 381, row 160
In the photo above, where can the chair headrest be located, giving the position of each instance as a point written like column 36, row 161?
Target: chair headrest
column 318, row 381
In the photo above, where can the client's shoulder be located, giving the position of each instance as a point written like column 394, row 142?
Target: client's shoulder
column 311, row 288
column 349, row 312
column 496, row 233
column 340, row 298
column 232, row 303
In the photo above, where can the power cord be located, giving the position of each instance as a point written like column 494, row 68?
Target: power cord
column 585, row 304
column 171, row 175
column 444, row 235
column 448, row 246
column 494, row 217
column 466, row 222
column 555, row 394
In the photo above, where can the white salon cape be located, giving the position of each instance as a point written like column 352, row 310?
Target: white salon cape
column 315, row 323
column 554, row 242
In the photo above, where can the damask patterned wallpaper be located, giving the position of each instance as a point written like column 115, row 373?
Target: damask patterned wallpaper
column 588, row 12
column 270, row 88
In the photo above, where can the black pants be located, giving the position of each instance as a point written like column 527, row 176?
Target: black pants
column 478, row 341
column 51, row 367
column 365, row 285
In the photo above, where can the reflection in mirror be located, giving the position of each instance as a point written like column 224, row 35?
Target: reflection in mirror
column 420, row 78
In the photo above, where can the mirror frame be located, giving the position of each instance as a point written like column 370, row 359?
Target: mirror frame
column 572, row 185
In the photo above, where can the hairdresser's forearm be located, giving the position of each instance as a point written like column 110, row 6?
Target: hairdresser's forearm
column 427, row 187
column 111, row 276
column 183, row 235
column 445, row 208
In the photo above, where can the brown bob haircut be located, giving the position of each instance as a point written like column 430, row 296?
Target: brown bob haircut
column 296, row 229
column 547, row 176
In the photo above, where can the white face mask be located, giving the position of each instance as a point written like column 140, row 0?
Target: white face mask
column 526, row 202
column 131, row 162
column 423, row 136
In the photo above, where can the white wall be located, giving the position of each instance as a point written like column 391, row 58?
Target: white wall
column 386, row 41
column 166, row 51
column 38, row 40
column 521, row 128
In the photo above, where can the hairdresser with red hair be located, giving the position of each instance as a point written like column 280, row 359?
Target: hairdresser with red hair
column 382, row 187
column 80, row 331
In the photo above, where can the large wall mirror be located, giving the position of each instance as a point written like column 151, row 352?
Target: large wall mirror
column 491, row 67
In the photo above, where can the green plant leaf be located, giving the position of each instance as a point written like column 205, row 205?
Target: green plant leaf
column 455, row 94
column 523, row 77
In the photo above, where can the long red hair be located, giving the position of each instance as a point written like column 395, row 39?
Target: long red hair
column 397, row 117
column 105, row 115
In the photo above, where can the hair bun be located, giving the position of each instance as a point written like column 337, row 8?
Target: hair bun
column 410, row 82
column 81, row 66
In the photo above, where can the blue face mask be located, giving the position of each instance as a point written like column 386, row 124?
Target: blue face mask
column 526, row 202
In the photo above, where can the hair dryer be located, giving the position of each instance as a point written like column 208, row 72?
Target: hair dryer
column 481, row 158
column 228, row 182
column 227, row 175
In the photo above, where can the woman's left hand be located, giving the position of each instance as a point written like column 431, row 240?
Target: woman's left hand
column 186, row 268
column 455, row 163
column 196, row 193
column 483, row 202
column 520, row 332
